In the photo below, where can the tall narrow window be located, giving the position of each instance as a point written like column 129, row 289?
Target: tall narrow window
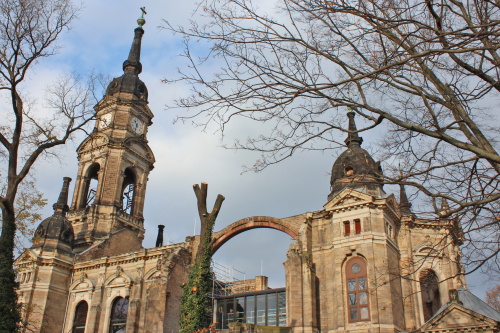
column 90, row 185
column 357, row 290
column 429, row 288
column 119, row 312
column 357, row 225
column 80, row 317
column 128, row 191
column 347, row 228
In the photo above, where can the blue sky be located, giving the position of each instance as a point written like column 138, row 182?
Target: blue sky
column 100, row 39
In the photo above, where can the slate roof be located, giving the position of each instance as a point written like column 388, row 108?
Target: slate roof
column 473, row 303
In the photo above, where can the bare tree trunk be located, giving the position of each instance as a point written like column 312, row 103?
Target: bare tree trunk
column 195, row 292
column 207, row 220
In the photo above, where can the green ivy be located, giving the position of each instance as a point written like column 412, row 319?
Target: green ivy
column 194, row 303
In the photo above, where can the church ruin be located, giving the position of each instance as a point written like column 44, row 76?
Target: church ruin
column 363, row 263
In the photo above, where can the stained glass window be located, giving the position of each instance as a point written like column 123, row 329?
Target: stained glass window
column 119, row 312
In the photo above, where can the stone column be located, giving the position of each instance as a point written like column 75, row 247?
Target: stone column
column 134, row 309
column 95, row 310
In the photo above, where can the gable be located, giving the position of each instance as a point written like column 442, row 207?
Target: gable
column 93, row 141
column 457, row 317
column 140, row 148
column 26, row 256
column 347, row 198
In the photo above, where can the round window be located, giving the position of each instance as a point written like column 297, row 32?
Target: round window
column 355, row 268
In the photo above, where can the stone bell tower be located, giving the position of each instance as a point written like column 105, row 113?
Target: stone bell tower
column 115, row 160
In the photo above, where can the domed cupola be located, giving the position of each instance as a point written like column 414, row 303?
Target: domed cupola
column 56, row 232
column 129, row 86
column 355, row 168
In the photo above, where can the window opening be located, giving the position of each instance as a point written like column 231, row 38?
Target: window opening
column 429, row 288
column 261, row 310
column 91, row 184
column 357, row 290
column 271, row 310
column 357, row 224
column 349, row 171
column 282, row 308
column 80, row 317
column 250, row 309
column 128, row 191
column 119, row 312
column 240, row 309
column 347, row 228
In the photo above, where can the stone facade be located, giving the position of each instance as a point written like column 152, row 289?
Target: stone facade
column 364, row 263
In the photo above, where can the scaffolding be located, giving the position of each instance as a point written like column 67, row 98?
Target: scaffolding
column 223, row 280
column 223, row 284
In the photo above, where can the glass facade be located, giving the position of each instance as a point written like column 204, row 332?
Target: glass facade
column 266, row 307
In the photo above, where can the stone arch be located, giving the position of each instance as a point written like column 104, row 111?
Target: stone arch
column 254, row 222
column 90, row 173
column 118, row 279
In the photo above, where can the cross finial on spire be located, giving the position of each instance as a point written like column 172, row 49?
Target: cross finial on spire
column 141, row 21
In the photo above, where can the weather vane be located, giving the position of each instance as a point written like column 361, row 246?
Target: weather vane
column 141, row 21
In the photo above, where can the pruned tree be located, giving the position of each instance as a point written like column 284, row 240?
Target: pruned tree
column 28, row 33
column 195, row 292
column 426, row 72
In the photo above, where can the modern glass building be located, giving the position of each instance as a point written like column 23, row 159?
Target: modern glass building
column 264, row 307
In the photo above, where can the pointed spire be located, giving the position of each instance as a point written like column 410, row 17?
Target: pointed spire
column 133, row 63
column 352, row 138
column 404, row 204
column 444, row 205
column 61, row 206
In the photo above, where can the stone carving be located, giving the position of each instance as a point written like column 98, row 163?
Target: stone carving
column 159, row 263
column 101, row 278
column 119, row 271
column 82, row 277
column 139, row 273
column 454, row 297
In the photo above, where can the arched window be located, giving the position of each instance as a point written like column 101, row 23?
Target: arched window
column 429, row 288
column 128, row 191
column 119, row 311
column 357, row 290
column 80, row 317
column 90, row 185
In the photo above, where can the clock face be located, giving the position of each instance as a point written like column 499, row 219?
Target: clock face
column 105, row 120
column 136, row 125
